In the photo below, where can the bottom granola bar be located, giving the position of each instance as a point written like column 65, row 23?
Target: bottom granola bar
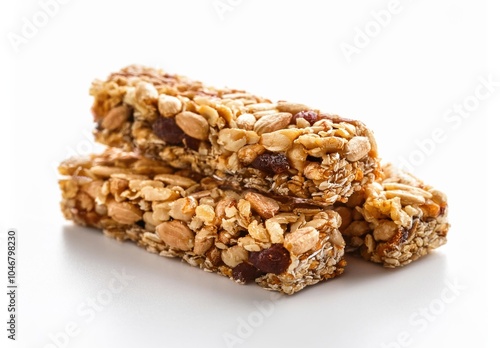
column 394, row 221
column 242, row 235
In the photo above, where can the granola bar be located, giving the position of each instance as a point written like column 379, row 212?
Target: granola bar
column 243, row 235
column 282, row 148
column 394, row 221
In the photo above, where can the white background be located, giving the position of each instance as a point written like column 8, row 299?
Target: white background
column 427, row 57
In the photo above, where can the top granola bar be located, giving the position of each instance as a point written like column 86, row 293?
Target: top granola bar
column 282, row 148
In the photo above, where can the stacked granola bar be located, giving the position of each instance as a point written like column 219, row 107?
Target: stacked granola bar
column 236, row 184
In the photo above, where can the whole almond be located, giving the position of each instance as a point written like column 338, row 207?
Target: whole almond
column 176, row 235
column 116, row 117
column 273, row 122
column 194, row 125
column 124, row 212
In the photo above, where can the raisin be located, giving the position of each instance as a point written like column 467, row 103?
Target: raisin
column 271, row 163
column 192, row 143
column 167, row 130
column 245, row 272
column 309, row 116
column 275, row 260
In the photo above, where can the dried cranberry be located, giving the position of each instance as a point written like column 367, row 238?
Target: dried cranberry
column 309, row 116
column 167, row 130
column 275, row 260
column 271, row 163
column 245, row 272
